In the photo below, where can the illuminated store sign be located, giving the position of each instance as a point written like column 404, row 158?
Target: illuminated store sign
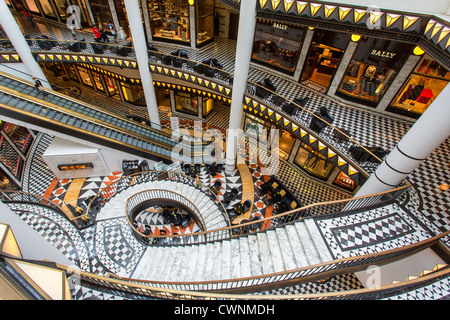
column 383, row 54
column 279, row 26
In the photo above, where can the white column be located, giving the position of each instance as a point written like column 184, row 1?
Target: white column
column 303, row 54
column 140, row 47
column 247, row 22
column 20, row 44
column 423, row 138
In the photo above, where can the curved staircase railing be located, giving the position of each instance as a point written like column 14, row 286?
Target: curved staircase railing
column 124, row 183
column 221, row 289
column 344, row 206
column 83, row 220
column 160, row 195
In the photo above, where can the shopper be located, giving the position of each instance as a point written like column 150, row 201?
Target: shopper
column 113, row 31
column 29, row 17
column 104, row 36
column 96, row 33
column 123, row 36
column 40, row 87
column 74, row 35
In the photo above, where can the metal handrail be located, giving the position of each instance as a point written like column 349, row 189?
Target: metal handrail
column 106, row 193
column 204, row 289
column 349, row 205
column 20, row 196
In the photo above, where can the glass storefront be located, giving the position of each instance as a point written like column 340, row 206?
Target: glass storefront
column 286, row 143
column 204, row 21
column 425, row 83
column 169, row 20
column 372, row 69
column 186, row 103
column 133, row 93
column 325, row 53
column 313, row 162
column 254, row 126
column 85, row 76
column 62, row 6
column 344, row 181
column 47, row 9
column 102, row 13
column 208, row 104
column 32, row 6
column 111, row 85
column 277, row 45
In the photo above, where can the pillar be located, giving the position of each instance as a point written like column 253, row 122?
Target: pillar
column 348, row 54
column 398, row 82
column 20, row 44
column 140, row 47
column 247, row 22
column 303, row 54
column 429, row 131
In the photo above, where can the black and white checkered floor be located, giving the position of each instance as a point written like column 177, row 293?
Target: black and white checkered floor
column 424, row 212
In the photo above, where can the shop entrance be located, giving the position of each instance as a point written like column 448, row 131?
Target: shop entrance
column 325, row 53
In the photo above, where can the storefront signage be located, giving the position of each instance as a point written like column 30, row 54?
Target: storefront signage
column 383, row 54
column 279, row 26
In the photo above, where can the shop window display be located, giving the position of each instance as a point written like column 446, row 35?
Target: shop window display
column 208, row 104
column 313, row 162
column 101, row 12
column 187, row 103
column 85, row 76
column 345, row 181
column 277, row 45
column 254, row 126
column 47, row 8
column 372, row 69
column 204, row 21
column 169, row 19
column 425, row 83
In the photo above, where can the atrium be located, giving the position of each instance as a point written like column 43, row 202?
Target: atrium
column 224, row 149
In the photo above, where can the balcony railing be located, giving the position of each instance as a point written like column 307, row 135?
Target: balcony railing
column 337, row 138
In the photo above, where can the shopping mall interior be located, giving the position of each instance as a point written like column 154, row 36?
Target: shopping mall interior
column 172, row 150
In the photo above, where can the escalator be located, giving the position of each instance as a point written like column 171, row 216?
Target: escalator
column 21, row 101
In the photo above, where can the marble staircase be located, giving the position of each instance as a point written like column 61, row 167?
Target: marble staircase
column 281, row 249
column 208, row 208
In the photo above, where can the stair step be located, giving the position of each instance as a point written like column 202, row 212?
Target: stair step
column 235, row 259
column 199, row 273
column 311, row 254
column 216, row 261
column 245, row 257
column 266, row 261
column 286, row 250
column 209, row 262
column 318, row 241
column 226, row 259
column 275, row 251
column 255, row 264
column 297, row 247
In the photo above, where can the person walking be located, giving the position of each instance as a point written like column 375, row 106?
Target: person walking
column 113, row 31
column 29, row 17
column 96, row 33
column 104, row 36
column 74, row 35
column 122, row 36
column 40, row 87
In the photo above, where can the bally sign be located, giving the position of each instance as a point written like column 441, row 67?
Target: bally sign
column 279, row 26
column 383, row 54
